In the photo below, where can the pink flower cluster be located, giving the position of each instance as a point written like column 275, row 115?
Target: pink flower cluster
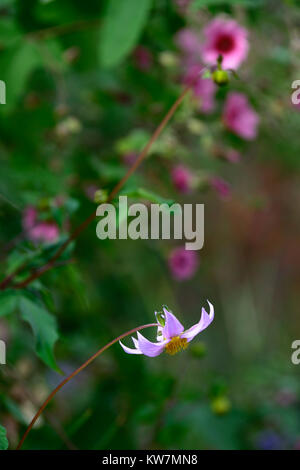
column 37, row 231
column 227, row 38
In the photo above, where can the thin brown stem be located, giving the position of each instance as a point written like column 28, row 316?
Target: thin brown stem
column 73, row 374
column 39, row 272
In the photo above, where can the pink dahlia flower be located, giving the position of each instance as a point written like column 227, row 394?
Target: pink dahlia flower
column 227, row 38
column 204, row 89
column 171, row 336
column 240, row 117
column 181, row 178
column 36, row 231
column 183, row 263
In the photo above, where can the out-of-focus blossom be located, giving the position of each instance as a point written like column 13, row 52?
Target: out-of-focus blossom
column 221, row 405
column 143, row 58
column 232, row 155
column 171, row 336
column 188, row 41
column 269, row 440
column 183, row 263
column 240, row 117
column 227, row 38
column 204, row 89
column 90, row 190
column 182, row 178
column 37, row 231
column 221, row 187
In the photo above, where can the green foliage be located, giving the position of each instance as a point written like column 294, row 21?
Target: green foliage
column 3, row 439
column 17, row 63
column 87, row 85
column 8, row 302
column 123, row 23
column 44, row 328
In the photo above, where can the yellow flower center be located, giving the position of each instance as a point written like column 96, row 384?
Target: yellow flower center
column 176, row 344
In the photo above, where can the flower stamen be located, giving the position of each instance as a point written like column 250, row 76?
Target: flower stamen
column 175, row 345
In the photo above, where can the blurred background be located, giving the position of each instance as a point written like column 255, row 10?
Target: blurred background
column 86, row 85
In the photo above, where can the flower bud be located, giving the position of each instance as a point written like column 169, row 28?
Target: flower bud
column 220, row 77
column 220, row 405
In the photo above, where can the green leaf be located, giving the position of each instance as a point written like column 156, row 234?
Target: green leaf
column 3, row 438
column 18, row 63
column 44, row 327
column 141, row 193
column 8, row 302
column 122, row 25
column 207, row 3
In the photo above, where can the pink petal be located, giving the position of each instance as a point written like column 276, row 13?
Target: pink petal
column 173, row 327
column 130, row 350
column 148, row 348
column 203, row 323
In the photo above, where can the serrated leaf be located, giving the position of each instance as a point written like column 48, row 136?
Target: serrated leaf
column 122, row 25
column 3, row 438
column 8, row 302
column 44, row 327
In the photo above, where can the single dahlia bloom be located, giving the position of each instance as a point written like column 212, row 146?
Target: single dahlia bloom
column 240, row 117
column 188, row 41
column 226, row 38
column 171, row 336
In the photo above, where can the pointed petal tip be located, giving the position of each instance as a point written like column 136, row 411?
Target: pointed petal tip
column 130, row 350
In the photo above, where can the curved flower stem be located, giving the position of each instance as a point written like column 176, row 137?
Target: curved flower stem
column 67, row 379
column 39, row 272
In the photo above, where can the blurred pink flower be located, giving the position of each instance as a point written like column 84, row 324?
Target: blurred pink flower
column 227, row 38
column 38, row 231
column 239, row 116
column 183, row 263
column 181, row 177
column 188, row 42
column 232, row 155
column 221, row 187
column 143, row 58
column 204, row 88
column 129, row 158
